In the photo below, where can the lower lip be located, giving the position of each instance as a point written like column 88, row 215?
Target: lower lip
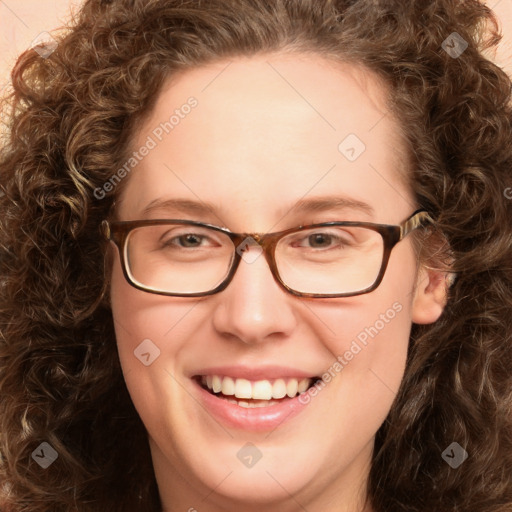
column 257, row 419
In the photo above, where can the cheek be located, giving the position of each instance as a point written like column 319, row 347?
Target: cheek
column 131, row 322
column 142, row 324
column 139, row 315
column 367, row 341
column 152, row 335
column 368, row 338
column 138, row 352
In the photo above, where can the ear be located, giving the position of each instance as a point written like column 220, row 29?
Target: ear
column 430, row 295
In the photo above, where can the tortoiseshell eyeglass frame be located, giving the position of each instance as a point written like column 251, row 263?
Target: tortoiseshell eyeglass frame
column 118, row 232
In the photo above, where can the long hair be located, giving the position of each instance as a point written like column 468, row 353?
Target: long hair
column 70, row 120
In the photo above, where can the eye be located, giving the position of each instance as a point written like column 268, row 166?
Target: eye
column 187, row 240
column 320, row 240
column 326, row 239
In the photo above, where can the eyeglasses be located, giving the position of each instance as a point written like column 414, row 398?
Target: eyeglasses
column 185, row 258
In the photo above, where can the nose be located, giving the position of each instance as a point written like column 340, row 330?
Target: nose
column 254, row 308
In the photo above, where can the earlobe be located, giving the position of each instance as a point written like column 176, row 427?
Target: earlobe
column 430, row 295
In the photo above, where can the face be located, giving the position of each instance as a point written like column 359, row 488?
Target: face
column 264, row 145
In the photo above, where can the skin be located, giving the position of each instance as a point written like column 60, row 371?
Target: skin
column 265, row 135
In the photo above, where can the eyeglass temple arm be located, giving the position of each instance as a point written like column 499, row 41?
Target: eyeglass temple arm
column 415, row 221
column 105, row 229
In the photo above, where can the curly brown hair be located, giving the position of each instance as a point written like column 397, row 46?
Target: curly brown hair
column 71, row 118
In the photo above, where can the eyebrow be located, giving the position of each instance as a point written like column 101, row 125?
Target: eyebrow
column 322, row 204
column 181, row 205
column 303, row 206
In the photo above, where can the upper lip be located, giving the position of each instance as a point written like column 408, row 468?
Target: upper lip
column 255, row 373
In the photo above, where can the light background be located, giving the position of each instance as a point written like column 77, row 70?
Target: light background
column 21, row 21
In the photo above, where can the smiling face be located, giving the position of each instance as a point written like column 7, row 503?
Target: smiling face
column 266, row 144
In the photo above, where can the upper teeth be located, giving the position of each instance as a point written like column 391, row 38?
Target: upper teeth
column 258, row 390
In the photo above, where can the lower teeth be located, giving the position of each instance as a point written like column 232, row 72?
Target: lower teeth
column 251, row 403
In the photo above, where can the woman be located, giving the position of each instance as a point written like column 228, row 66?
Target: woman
column 256, row 256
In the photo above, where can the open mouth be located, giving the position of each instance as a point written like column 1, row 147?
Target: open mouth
column 261, row 393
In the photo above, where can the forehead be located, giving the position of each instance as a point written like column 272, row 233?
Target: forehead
column 268, row 130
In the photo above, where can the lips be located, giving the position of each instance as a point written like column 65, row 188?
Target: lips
column 253, row 398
